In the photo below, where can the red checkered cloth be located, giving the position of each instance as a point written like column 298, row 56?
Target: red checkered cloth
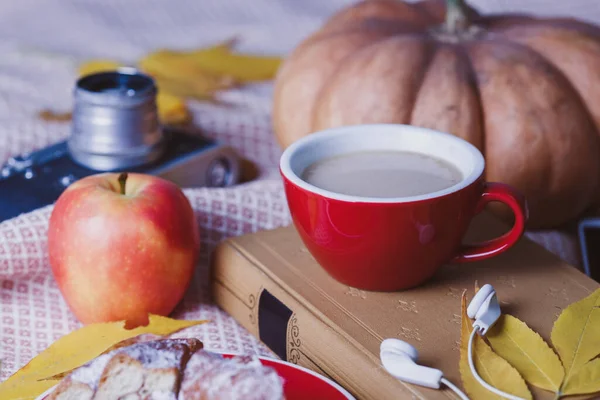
column 42, row 42
column 33, row 313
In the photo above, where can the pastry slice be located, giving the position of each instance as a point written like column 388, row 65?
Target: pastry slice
column 144, row 337
column 143, row 370
column 148, row 371
column 82, row 382
column 209, row 376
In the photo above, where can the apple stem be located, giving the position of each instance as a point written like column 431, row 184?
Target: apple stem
column 122, row 180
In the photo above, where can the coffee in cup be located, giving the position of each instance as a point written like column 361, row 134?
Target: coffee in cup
column 382, row 173
column 383, row 206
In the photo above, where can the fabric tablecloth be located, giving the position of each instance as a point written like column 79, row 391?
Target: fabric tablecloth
column 41, row 44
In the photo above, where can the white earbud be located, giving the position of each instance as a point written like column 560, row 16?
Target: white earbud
column 484, row 309
column 399, row 359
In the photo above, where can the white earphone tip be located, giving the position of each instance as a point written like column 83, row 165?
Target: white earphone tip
column 398, row 346
column 479, row 299
column 486, row 288
column 399, row 359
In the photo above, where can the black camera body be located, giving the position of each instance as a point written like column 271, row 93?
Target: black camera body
column 115, row 128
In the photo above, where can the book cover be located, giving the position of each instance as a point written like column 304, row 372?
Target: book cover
column 272, row 285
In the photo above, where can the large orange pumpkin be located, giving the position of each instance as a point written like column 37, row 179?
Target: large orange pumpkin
column 525, row 91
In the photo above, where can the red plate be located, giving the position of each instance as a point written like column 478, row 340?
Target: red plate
column 299, row 383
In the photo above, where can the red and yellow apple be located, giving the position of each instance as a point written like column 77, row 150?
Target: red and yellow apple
column 122, row 246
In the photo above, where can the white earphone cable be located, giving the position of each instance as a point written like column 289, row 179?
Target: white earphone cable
column 456, row 390
column 476, row 375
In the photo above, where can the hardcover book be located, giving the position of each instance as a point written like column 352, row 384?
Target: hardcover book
column 272, row 285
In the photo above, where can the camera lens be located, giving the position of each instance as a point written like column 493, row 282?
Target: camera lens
column 115, row 122
column 124, row 83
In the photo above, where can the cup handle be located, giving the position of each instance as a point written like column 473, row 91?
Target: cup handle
column 509, row 196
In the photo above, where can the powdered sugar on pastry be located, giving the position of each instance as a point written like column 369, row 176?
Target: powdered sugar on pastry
column 169, row 369
column 209, row 376
column 159, row 361
column 82, row 382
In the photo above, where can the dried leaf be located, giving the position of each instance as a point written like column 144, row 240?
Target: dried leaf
column 52, row 116
column 585, row 380
column 492, row 368
column 203, row 88
column 242, row 67
column 172, row 109
column 525, row 350
column 576, row 334
column 223, row 47
column 178, row 75
column 220, row 60
column 144, row 337
column 77, row 348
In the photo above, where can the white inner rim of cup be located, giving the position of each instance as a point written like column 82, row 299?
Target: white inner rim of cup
column 337, row 141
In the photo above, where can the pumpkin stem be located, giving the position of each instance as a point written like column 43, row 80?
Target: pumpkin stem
column 456, row 15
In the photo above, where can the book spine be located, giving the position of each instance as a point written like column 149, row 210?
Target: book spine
column 293, row 332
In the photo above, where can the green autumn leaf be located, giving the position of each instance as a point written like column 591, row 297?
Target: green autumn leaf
column 525, row 350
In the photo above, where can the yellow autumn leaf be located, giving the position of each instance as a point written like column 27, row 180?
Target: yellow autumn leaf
column 525, row 350
column 216, row 50
column 53, row 116
column 180, row 76
column 198, row 89
column 123, row 343
column 223, row 47
column 585, row 380
column 491, row 367
column 242, row 67
column 576, row 334
column 76, row 349
column 221, row 60
column 172, row 109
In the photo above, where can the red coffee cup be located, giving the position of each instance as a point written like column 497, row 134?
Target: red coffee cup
column 388, row 244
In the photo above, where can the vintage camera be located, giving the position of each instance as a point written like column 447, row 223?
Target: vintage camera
column 115, row 127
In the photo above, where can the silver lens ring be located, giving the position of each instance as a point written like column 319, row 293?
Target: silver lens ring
column 115, row 121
